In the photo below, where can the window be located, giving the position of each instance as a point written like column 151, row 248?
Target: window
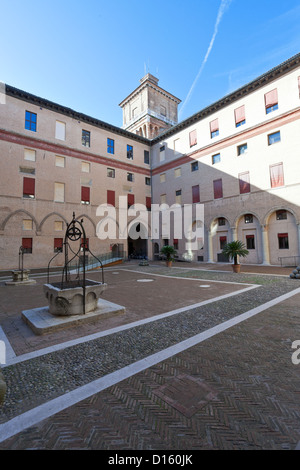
column 29, row 155
column 130, row 177
column 27, row 224
column 110, row 146
column 147, row 181
column 271, row 101
column 28, row 171
column 130, row 200
column 134, row 111
column 218, row 188
column 130, row 152
column 250, row 242
column 178, row 196
column 239, row 115
column 175, row 243
column 59, row 192
column 283, row 241
column 195, row 194
column 276, row 175
column 281, row 215
column 214, row 128
column 162, row 153
column 27, row 245
column 85, row 195
column 84, row 244
column 148, row 203
column 248, row 218
column 163, row 198
column 193, row 138
column 163, row 110
column 85, row 167
column 111, row 198
column 146, row 157
column 111, row 172
column 162, row 177
column 86, row 138
column 28, row 188
column 244, row 182
column 60, row 161
column 221, row 221
column 30, row 121
column 223, row 242
column 242, row 149
column 216, row 158
column 60, row 130
column 274, row 138
column 194, row 166
column 299, row 86
column 58, row 245
column 177, row 172
column 58, row 226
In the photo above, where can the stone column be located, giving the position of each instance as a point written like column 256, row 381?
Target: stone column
column 298, row 227
column 265, row 245
column 233, row 233
column 210, row 247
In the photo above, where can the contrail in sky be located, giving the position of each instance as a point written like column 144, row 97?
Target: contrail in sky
column 224, row 5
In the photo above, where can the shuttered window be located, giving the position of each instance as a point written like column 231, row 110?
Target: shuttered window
column 130, row 200
column 218, row 189
column 58, row 245
column 27, row 245
column 111, row 198
column 276, row 175
column 244, row 182
column 85, row 194
column 28, row 187
column 271, row 101
column 193, row 138
column 195, row 194
column 239, row 115
column 214, row 128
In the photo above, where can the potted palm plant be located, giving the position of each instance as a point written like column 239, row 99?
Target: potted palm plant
column 233, row 250
column 169, row 252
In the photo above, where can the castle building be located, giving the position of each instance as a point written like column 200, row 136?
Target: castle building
column 239, row 157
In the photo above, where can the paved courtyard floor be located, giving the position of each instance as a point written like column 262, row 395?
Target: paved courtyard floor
column 201, row 360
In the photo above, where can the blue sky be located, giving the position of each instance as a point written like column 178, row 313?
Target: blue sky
column 90, row 55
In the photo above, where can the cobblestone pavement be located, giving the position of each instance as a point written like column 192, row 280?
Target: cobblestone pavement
column 237, row 389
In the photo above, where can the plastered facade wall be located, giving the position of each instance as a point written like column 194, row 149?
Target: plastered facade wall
column 83, row 166
column 262, row 201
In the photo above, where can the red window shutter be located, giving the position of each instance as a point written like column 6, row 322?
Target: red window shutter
column 249, row 236
column 28, row 186
column 239, row 114
column 111, row 197
column 218, row 189
column 196, row 193
column 148, row 202
column 27, row 242
column 244, row 180
column 58, row 242
column 86, row 243
column 175, row 241
column 271, row 98
column 276, row 175
column 223, row 239
column 85, row 193
column 214, row 125
column 130, row 199
column 282, row 235
column 193, row 138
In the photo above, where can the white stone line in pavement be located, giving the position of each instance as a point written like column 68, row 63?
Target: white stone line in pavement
column 38, row 414
column 188, row 278
column 84, row 339
column 9, row 352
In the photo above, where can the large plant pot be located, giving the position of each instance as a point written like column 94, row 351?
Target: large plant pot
column 236, row 268
column 69, row 299
column 169, row 264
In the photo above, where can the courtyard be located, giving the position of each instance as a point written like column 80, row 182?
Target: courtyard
column 201, row 359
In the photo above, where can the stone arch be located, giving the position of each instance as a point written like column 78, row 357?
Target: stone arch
column 249, row 231
column 278, row 208
column 18, row 211
column 50, row 215
column 90, row 219
column 138, row 247
column 218, row 236
column 277, row 228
